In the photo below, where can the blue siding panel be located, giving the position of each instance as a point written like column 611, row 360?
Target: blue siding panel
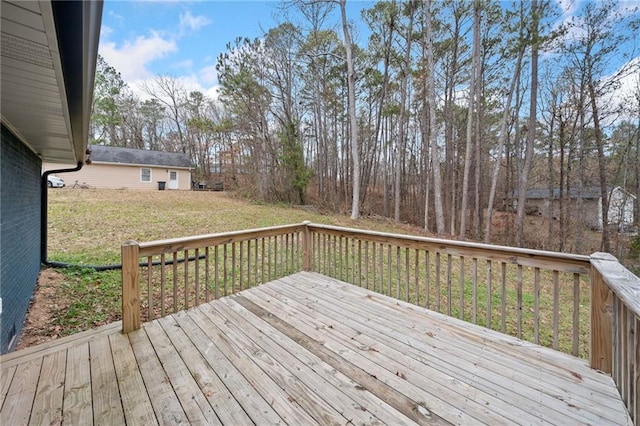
column 19, row 233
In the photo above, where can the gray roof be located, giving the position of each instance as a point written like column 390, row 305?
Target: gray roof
column 587, row 192
column 118, row 155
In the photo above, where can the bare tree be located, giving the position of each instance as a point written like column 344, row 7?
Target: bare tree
column 353, row 123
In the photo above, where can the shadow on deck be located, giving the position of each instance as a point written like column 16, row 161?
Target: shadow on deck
column 304, row 349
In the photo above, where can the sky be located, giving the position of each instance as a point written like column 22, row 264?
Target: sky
column 144, row 39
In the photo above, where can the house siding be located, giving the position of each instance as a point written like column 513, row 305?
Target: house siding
column 121, row 176
column 19, row 234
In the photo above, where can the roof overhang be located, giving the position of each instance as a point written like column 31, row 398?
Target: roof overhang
column 49, row 54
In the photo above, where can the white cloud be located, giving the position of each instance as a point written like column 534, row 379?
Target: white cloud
column 188, row 22
column 186, row 64
column 131, row 58
column 208, row 74
column 105, row 31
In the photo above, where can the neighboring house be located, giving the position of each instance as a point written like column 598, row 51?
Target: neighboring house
column 128, row 168
column 621, row 204
column 49, row 52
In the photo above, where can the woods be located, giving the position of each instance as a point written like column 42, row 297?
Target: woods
column 437, row 114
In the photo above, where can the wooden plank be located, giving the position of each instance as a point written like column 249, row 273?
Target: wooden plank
column 107, row 408
column 289, row 374
column 6, row 376
column 420, row 410
column 347, row 390
column 285, row 404
column 600, row 352
column 16, row 408
column 47, row 407
column 619, row 279
column 454, row 339
column 38, row 351
column 538, row 355
column 414, row 370
column 135, row 400
column 162, row 396
column 201, row 331
column 457, row 355
column 195, row 405
column 130, row 286
column 77, row 408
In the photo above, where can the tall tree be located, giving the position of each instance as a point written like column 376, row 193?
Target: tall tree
column 433, row 131
column 353, row 123
column 523, row 183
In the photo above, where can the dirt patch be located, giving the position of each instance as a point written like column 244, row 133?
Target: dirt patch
column 39, row 327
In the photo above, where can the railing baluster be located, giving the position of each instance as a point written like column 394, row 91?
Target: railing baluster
column 241, row 266
column 197, row 277
column 474, row 283
column 207, row 277
column 461, row 295
column 427, row 290
column 519, row 303
column 438, row 281
column 556, row 307
column 163, row 284
column 366, row 264
column 416, row 276
column 398, row 274
column 186, row 279
column 536, row 305
column 359, row 263
column 407, row 281
column 149, row 288
column 216, row 271
column 225, row 275
column 503, row 296
column 449, row 284
column 489, row 289
column 576, row 314
column 389, row 269
column 175, row 281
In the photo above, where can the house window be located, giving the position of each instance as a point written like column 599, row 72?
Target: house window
column 145, row 175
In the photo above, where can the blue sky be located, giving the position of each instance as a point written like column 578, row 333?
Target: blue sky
column 144, row 39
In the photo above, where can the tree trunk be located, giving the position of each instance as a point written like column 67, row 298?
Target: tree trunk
column 353, row 123
column 501, row 143
column 531, row 133
column 472, row 101
column 433, row 133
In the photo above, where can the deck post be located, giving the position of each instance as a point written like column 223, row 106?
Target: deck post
column 306, row 247
column 601, row 341
column 130, row 286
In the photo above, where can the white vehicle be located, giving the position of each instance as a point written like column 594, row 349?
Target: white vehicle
column 54, row 182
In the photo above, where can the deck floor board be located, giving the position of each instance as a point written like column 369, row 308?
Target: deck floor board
column 533, row 383
column 304, row 349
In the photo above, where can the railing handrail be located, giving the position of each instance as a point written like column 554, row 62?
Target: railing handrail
column 619, row 279
column 565, row 262
column 170, row 245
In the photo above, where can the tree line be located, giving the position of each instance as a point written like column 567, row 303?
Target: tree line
column 448, row 111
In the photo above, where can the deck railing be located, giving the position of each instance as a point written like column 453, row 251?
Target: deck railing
column 586, row 306
column 615, row 327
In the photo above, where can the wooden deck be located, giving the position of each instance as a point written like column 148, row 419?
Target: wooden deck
column 304, row 349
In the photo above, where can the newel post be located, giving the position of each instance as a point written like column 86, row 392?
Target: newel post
column 306, row 247
column 130, row 286
column 601, row 341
